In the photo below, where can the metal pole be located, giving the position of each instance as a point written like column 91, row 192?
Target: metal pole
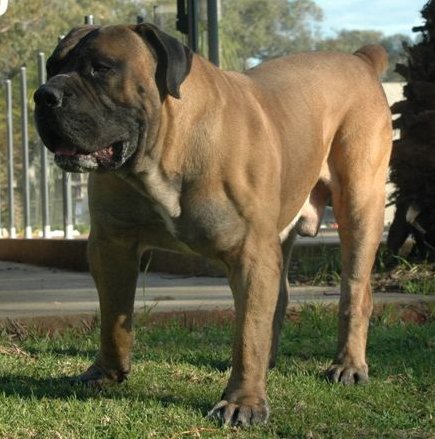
column 66, row 181
column 213, row 31
column 25, row 143
column 89, row 19
column 46, row 229
column 193, row 16
column 67, row 206
column 10, row 155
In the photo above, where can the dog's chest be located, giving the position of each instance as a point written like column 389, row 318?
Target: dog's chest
column 162, row 195
column 205, row 227
column 195, row 218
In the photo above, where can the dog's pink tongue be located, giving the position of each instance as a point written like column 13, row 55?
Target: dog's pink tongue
column 61, row 150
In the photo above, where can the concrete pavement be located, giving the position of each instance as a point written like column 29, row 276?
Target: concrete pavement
column 31, row 291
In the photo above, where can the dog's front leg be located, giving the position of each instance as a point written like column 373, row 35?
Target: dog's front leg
column 254, row 279
column 114, row 263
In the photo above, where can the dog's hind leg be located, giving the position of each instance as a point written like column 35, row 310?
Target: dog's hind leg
column 306, row 223
column 358, row 194
column 281, row 306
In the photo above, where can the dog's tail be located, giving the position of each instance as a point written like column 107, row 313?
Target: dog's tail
column 374, row 55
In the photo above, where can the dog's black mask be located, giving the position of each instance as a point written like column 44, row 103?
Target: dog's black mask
column 90, row 113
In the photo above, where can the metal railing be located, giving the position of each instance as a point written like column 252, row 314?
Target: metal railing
column 25, row 210
column 10, row 162
column 27, row 231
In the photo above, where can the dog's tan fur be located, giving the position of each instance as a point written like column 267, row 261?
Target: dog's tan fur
column 224, row 172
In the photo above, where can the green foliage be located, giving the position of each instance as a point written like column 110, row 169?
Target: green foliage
column 317, row 265
column 352, row 40
column 264, row 29
column 35, row 25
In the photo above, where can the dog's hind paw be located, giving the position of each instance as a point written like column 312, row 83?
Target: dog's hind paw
column 348, row 375
column 239, row 415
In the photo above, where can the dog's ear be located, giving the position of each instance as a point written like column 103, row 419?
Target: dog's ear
column 66, row 46
column 174, row 59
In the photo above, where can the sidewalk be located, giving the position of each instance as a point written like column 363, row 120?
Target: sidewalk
column 30, row 291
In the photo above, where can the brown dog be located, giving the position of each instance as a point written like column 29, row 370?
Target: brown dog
column 227, row 165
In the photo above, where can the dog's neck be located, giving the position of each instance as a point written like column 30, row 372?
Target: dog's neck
column 174, row 154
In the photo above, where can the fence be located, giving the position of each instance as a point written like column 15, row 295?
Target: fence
column 37, row 205
column 28, row 210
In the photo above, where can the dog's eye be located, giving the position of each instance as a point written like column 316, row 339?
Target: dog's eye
column 100, row 69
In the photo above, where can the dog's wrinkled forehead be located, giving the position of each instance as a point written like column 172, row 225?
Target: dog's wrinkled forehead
column 67, row 47
column 140, row 42
column 87, row 42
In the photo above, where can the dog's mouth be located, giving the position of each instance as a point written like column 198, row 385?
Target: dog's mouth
column 111, row 157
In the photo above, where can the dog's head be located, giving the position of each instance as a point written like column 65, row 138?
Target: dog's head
column 104, row 90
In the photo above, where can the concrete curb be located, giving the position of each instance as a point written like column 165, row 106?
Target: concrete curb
column 72, row 255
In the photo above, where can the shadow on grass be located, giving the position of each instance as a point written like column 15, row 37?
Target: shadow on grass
column 55, row 388
column 62, row 388
column 218, row 365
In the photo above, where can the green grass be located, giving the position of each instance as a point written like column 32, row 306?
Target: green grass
column 179, row 372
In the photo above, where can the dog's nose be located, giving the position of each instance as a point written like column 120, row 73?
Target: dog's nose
column 48, row 96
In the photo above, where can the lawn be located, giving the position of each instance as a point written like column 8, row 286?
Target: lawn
column 180, row 368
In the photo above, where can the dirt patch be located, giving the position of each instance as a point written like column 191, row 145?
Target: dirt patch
column 19, row 329
column 406, row 278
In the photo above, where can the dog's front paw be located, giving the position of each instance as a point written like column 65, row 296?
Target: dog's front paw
column 240, row 413
column 95, row 376
column 347, row 374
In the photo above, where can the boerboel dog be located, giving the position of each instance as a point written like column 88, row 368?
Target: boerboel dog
column 187, row 157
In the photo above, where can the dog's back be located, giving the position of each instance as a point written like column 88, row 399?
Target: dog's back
column 319, row 74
